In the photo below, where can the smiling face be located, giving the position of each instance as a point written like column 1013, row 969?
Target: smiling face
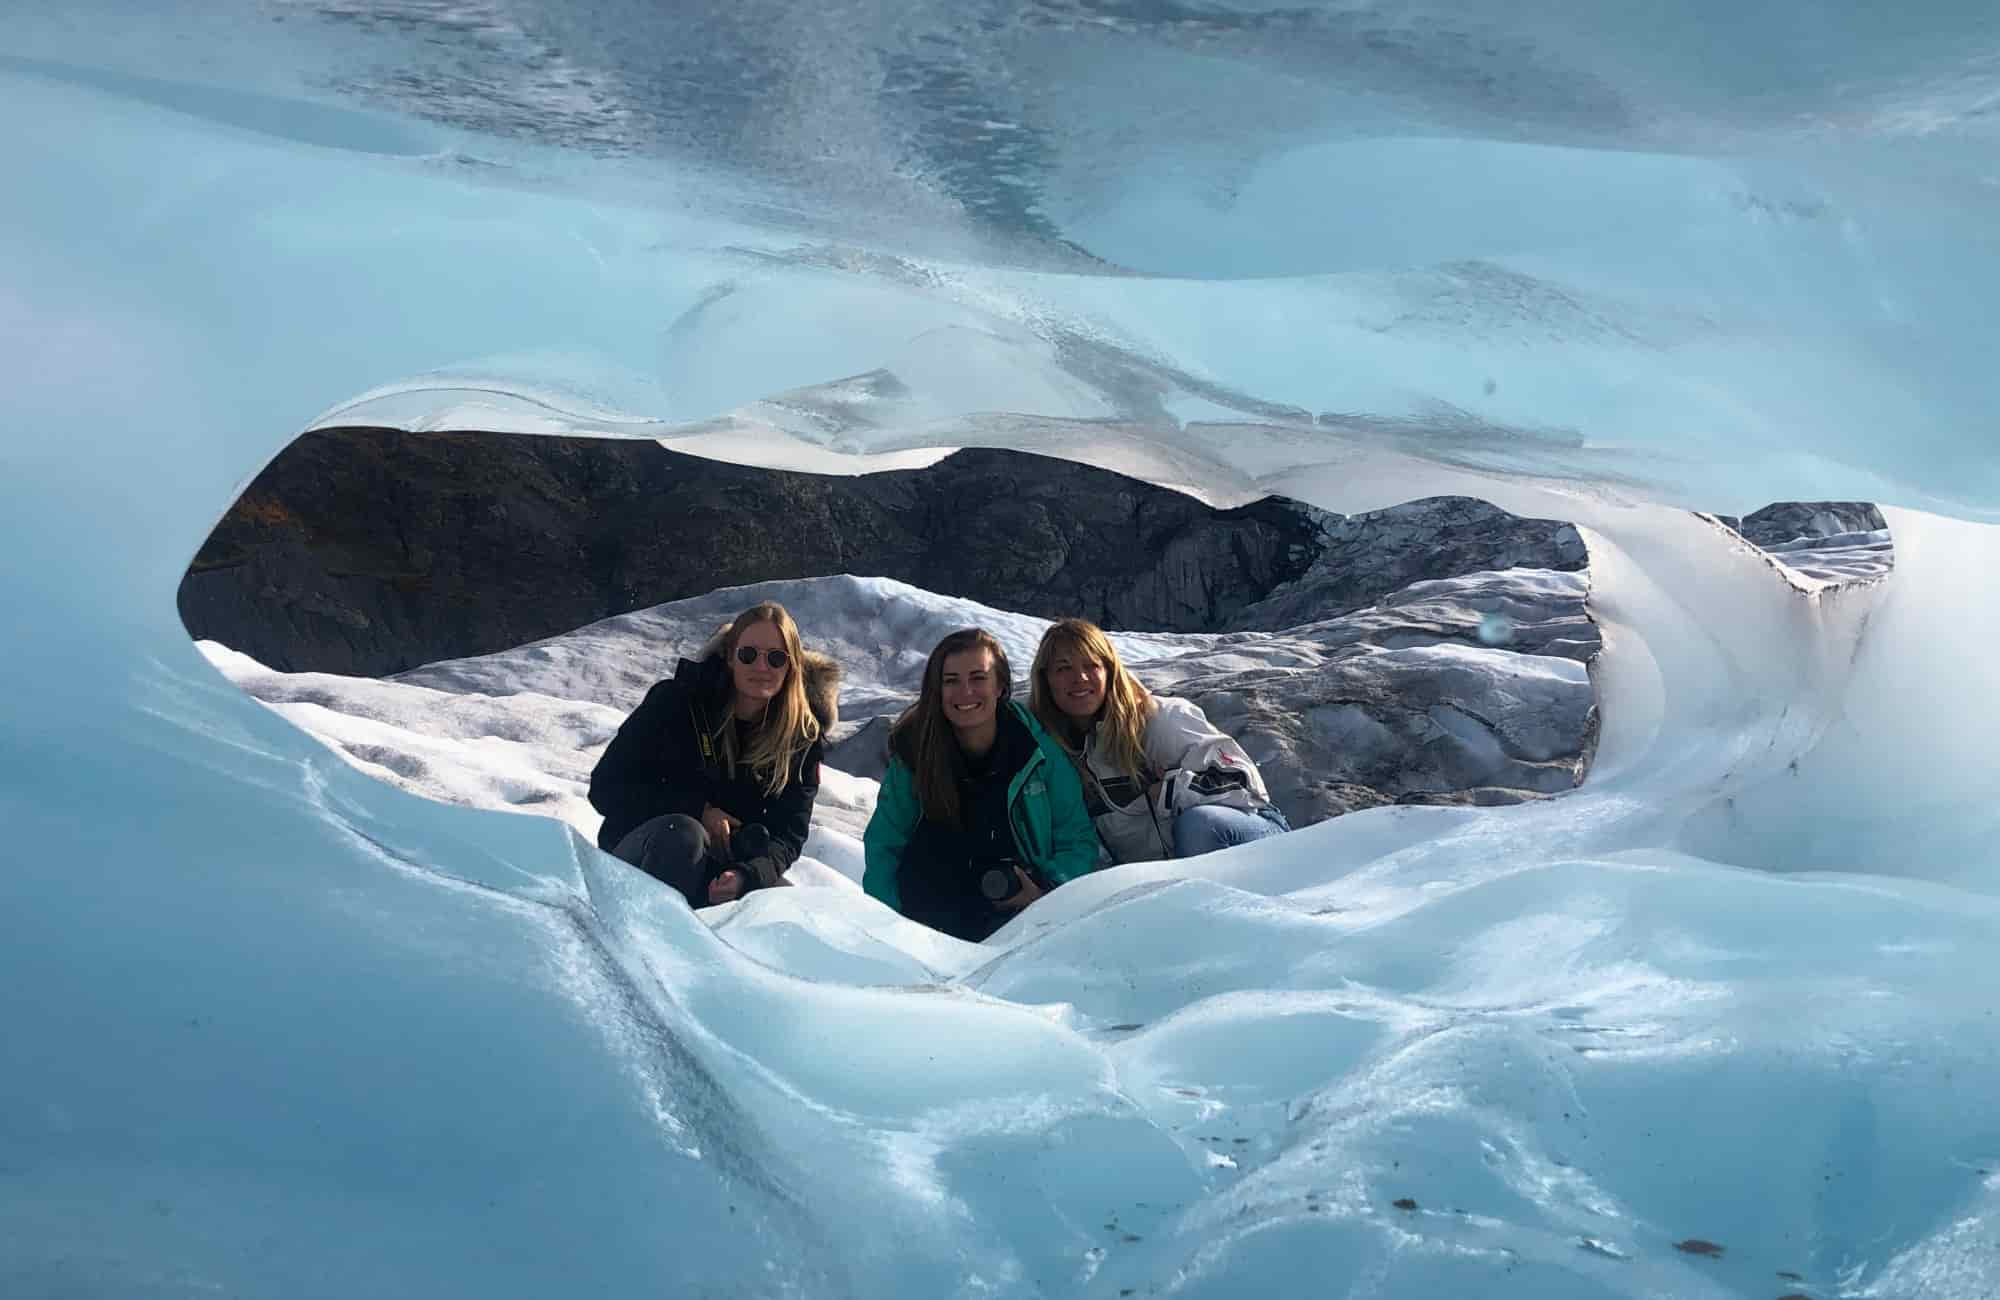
column 1076, row 684
column 757, row 683
column 971, row 689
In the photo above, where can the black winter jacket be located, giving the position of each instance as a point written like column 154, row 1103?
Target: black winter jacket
column 658, row 763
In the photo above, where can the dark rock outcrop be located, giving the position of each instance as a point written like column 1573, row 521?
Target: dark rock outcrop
column 369, row 551
column 861, row 748
column 1362, row 558
column 1473, row 689
column 1788, row 521
column 1829, row 541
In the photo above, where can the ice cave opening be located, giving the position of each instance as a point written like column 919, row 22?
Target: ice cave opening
column 1717, row 1022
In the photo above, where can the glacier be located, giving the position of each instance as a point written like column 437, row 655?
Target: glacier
column 1718, row 1023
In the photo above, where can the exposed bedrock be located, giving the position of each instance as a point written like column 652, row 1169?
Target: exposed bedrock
column 1362, row 558
column 371, row 551
column 1790, row 521
column 1831, row 541
column 1473, row 689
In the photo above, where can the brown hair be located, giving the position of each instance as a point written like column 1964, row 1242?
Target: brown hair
column 923, row 737
column 1127, row 708
column 788, row 727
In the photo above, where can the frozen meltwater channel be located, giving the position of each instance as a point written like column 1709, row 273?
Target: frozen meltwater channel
column 1719, row 1023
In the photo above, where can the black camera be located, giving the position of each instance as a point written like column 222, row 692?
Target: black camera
column 999, row 881
column 748, row 841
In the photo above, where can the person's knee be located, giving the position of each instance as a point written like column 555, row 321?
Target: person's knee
column 672, row 848
column 670, row 833
column 1209, row 827
column 685, row 836
column 1199, row 830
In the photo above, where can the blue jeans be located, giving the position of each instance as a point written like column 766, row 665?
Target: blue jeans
column 1209, row 827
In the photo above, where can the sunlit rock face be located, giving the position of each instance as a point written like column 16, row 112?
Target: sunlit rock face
column 1829, row 541
column 1789, row 522
column 1715, row 1023
column 1465, row 690
column 1364, row 558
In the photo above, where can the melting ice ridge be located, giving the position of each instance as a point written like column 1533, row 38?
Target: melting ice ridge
column 275, row 1028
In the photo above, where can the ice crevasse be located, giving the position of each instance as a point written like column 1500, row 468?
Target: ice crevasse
column 1718, row 1023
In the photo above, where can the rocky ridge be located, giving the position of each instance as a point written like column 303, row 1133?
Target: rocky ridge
column 1433, row 652
column 1827, row 541
column 372, row 551
column 1472, row 689
column 1364, row 558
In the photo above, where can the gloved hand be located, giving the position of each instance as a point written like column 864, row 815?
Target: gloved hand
column 750, row 854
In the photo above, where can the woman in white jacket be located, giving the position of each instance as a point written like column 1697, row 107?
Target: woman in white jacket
column 1160, row 782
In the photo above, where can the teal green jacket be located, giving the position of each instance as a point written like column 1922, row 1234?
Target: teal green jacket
column 1052, row 828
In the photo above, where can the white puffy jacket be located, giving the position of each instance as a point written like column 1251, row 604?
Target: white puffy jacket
column 1188, row 763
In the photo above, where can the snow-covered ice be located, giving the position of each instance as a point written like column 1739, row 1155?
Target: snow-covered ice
column 1718, row 1023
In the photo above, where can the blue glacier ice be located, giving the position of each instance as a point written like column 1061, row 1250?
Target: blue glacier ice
column 1719, row 1023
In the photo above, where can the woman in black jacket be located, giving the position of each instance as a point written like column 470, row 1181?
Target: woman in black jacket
column 709, row 785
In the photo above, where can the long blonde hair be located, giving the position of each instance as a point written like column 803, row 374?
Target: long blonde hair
column 924, row 738
column 1127, row 708
column 788, row 727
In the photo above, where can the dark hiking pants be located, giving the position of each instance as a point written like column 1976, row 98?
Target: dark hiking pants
column 673, row 850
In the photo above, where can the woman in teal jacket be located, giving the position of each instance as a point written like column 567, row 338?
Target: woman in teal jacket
column 980, row 812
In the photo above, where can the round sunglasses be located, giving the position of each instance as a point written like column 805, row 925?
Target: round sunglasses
column 747, row 654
